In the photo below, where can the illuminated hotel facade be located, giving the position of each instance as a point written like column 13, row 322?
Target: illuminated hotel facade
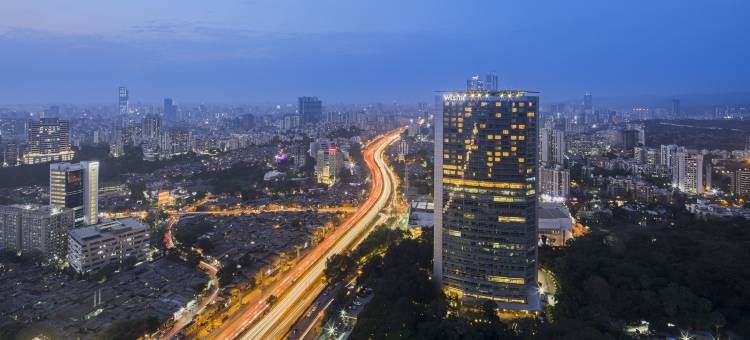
column 485, row 198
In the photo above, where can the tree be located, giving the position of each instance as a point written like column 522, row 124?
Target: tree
column 193, row 258
column 136, row 191
column 205, row 244
column 338, row 267
column 104, row 272
column 718, row 321
column 227, row 273
column 130, row 329
column 272, row 300
column 128, row 263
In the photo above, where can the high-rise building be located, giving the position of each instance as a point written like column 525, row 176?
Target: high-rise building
column 588, row 103
column 485, row 198
column 491, row 81
column 667, row 154
column 175, row 142
column 52, row 111
column 328, row 162
column 170, row 109
column 676, row 107
column 124, row 96
column 290, row 121
column 310, row 110
column 151, row 127
column 554, row 182
column 552, row 145
column 320, row 143
column 76, row 187
column 26, row 228
column 689, row 173
column 48, row 140
column 299, row 154
column 630, row 139
column 740, row 183
column 93, row 247
column 476, row 83
column 11, row 154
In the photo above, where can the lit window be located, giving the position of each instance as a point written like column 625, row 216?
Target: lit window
column 511, row 219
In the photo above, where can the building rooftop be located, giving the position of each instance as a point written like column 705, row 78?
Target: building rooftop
column 107, row 228
column 48, row 209
column 422, row 205
column 461, row 95
column 553, row 210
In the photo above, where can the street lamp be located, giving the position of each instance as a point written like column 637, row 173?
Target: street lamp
column 331, row 331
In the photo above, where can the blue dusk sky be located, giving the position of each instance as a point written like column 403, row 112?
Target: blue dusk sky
column 253, row 51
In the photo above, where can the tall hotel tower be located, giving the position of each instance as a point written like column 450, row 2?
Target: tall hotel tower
column 485, row 198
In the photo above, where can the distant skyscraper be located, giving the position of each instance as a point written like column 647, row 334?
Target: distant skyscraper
column 667, row 154
column 11, row 154
column 485, row 198
column 554, row 181
column 588, row 103
column 53, row 111
column 48, row 140
column 151, row 127
column 124, row 96
column 76, row 186
column 290, row 121
column 175, row 142
column 310, row 110
column 170, row 110
column 631, row 138
column 491, row 82
column 676, row 107
column 476, row 83
column 552, row 144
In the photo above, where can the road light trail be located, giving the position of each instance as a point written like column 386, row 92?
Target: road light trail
column 298, row 287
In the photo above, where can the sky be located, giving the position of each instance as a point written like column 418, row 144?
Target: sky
column 355, row 51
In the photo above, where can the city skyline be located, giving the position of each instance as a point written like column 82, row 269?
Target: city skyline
column 245, row 52
column 257, row 169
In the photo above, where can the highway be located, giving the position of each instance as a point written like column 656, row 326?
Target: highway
column 298, row 287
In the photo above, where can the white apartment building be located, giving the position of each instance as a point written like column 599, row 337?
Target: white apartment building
column 91, row 248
